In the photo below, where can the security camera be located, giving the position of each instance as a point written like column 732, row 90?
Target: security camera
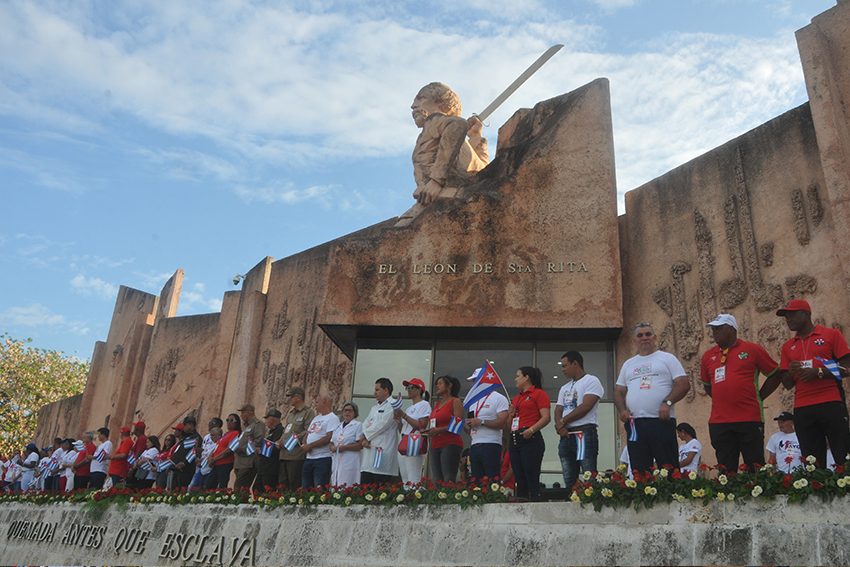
column 237, row 278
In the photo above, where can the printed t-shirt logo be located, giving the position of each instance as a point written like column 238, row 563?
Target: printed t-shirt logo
column 819, row 342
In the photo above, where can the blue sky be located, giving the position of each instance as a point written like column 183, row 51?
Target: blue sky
column 140, row 137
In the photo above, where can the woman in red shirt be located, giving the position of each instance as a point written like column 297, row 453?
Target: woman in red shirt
column 529, row 413
column 445, row 447
column 222, row 458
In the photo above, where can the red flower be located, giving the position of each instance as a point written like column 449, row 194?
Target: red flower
column 677, row 474
column 786, row 480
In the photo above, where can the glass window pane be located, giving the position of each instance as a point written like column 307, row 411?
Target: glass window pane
column 398, row 365
column 598, row 360
column 460, row 359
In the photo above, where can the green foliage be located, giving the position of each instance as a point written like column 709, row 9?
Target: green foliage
column 30, row 378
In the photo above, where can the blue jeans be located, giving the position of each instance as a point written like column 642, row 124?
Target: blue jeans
column 485, row 460
column 526, row 460
column 316, row 472
column 567, row 451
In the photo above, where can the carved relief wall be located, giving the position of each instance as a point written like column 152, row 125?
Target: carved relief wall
column 740, row 230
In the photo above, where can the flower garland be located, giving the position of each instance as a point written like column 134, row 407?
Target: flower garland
column 667, row 485
column 427, row 493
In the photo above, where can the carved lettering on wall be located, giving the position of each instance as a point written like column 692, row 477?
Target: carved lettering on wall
column 766, row 254
column 281, row 323
column 801, row 227
column 814, row 203
column 663, row 299
column 164, row 373
column 706, row 262
column 800, row 285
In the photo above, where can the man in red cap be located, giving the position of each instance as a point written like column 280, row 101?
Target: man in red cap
column 118, row 465
column 810, row 361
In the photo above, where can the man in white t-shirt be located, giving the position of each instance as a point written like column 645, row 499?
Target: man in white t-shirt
column 317, row 466
column 489, row 416
column 576, row 421
column 783, row 447
column 648, row 386
column 99, row 462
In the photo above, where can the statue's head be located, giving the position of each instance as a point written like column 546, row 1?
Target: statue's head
column 435, row 97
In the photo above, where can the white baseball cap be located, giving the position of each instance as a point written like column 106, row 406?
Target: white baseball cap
column 724, row 319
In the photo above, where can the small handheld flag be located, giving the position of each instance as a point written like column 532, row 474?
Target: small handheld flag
column 379, row 456
column 164, row 465
column 266, row 449
column 145, row 466
column 205, row 464
column 131, row 459
column 632, row 430
column 456, row 426
column 580, row 445
column 250, row 449
column 291, row 443
column 189, row 443
column 100, row 455
column 832, row 366
column 190, row 458
column 233, row 445
column 396, row 403
column 54, row 464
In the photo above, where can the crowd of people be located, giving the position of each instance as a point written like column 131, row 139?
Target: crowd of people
column 313, row 446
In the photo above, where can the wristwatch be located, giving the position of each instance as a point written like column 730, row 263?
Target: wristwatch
column 820, row 372
column 669, row 403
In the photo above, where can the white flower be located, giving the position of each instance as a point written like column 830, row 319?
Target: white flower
column 810, row 468
column 664, row 473
column 348, row 501
column 607, row 493
column 586, row 475
column 692, row 475
column 465, row 493
column 575, row 497
column 756, row 491
column 811, row 459
column 802, row 483
column 730, row 497
column 722, row 479
column 369, row 497
column 457, row 496
column 399, row 498
column 651, row 490
column 631, row 483
column 442, row 495
column 841, row 483
column 721, row 496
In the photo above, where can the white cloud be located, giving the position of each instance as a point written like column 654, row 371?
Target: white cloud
column 152, row 281
column 37, row 315
column 194, row 300
column 88, row 286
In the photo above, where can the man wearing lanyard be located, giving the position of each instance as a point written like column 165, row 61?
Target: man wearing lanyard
column 730, row 374
column 820, row 413
column 489, row 418
column 297, row 421
column 577, row 422
column 648, row 386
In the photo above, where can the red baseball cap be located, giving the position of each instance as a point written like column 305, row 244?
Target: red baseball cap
column 795, row 305
column 139, row 425
column 125, row 429
column 178, row 426
column 415, row 382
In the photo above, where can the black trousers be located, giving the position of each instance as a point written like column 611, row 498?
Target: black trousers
column 656, row 441
column 744, row 438
column 819, row 423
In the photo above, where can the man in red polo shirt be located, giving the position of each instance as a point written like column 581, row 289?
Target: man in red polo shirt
column 118, row 465
column 820, row 413
column 140, row 445
column 730, row 373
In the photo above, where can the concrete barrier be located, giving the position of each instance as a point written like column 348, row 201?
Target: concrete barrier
column 720, row 533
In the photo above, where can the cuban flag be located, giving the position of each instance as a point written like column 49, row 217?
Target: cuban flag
column 379, row 456
column 250, row 449
column 580, row 445
column 190, row 458
column 456, row 426
column 131, row 459
column 632, row 430
column 189, row 443
column 486, row 381
column 205, row 464
column 100, row 455
column 43, row 466
column 291, row 443
column 146, row 466
column 266, row 449
column 164, row 465
column 396, row 403
column 832, row 366
column 54, row 465
column 414, row 444
column 233, row 445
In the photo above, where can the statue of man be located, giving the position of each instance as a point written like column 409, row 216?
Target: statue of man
column 443, row 157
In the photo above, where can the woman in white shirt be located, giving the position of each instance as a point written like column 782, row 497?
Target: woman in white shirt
column 690, row 450
column 413, row 421
column 147, row 461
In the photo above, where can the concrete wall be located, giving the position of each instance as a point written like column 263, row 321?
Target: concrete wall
column 59, row 419
column 721, row 533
